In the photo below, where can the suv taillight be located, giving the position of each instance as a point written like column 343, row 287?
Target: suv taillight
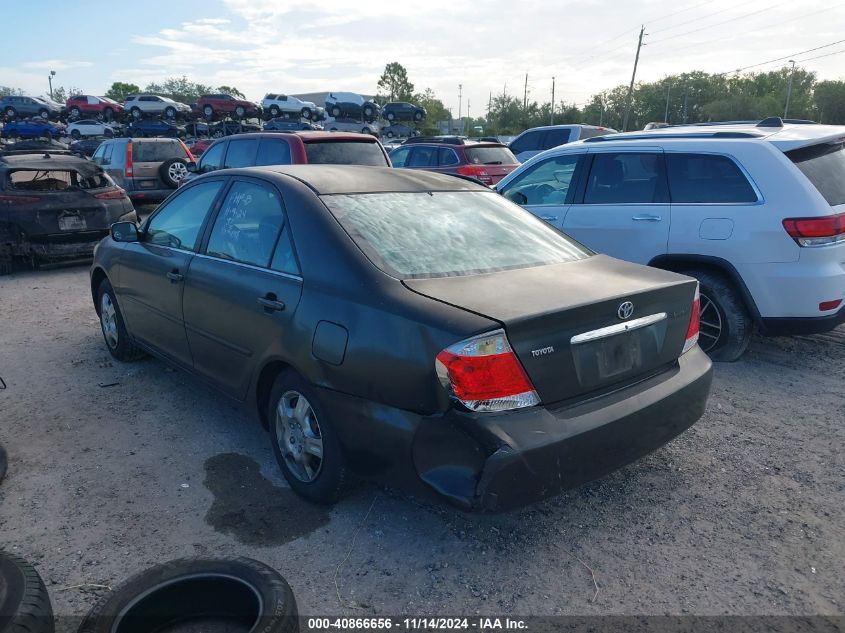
column 187, row 151
column 820, row 231
column 476, row 171
column 130, row 168
column 484, row 374
column 694, row 326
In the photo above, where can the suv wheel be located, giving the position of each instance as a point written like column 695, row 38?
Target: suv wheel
column 44, row 114
column 306, row 113
column 368, row 111
column 173, row 171
column 10, row 112
column 170, row 112
column 135, row 112
column 418, row 116
column 335, row 111
column 726, row 325
column 208, row 111
column 389, row 116
column 75, row 112
column 240, row 111
column 274, row 111
column 75, row 134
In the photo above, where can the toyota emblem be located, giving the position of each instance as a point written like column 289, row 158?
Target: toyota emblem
column 625, row 310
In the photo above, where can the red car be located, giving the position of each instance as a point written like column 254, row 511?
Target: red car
column 487, row 162
column 226, row 105
column 88, row 105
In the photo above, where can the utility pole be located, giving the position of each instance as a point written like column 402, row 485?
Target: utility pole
column 552, row 118
column 666, row 113
column 685, row 110
column 50, row 81
column 525, row 95
column 789, row 89
column 462, row 124
column 460, row 92
column 633, row 78
column 601, row 111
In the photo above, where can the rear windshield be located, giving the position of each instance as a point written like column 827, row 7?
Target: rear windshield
column 54, row 180
column 448, row 234
column 345, row 153
column 156, row 152
column 824, row 166
column 490, row 156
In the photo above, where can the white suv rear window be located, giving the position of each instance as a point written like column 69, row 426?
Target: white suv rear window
column 824, row 166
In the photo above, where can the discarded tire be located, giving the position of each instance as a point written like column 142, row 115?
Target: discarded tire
column 24, row 603
column 234, row 594
column 4, row 462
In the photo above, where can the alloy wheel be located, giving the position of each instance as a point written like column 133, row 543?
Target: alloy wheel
column 177, row 171
column 108, row 320
column 711, row 324
column 298, row 436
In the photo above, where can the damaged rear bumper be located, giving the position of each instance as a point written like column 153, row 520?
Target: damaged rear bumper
column 497, row 462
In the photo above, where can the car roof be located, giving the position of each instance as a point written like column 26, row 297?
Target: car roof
column 340, row 179
column 569, row 126
column 313, row 136
column 46, row 160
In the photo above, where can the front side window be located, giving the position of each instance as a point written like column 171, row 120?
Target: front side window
column 548, row 182
column 626, row 178
column 178, row 222
column 452, row 233
column 212, row 158
column 241, row 153
column 248, row 224
column 707, row 178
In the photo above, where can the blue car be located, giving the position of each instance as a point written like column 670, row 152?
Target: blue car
column 31, row 129
column 154, row 127
column 286, row 125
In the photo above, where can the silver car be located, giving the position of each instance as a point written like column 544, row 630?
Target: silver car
column 136, row 105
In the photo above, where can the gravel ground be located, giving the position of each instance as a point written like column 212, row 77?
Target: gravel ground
column 743, row 514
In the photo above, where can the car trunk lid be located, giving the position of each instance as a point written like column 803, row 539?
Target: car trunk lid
column 567, row 322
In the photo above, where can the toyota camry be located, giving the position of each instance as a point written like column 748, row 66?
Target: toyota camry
column 407, row 327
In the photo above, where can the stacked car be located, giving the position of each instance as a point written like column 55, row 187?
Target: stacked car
column 154, row 105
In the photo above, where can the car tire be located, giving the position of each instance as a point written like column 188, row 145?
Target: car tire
column 24, row 604
column 135, row 112
column 390, row 116
column 75, row 112
column 11, row 112
column 240, row 112
column 418, row 116
column 113, row 326
column 306, row 113
column 170, row 112
column 389, row 134
column 726, row 325
column 75, row 134
column 299, row 428
column 334, row 111
column 44, row 114
column 173, row 171
column 208, row 112
column 274, row 112
column 368, row 112
column 198, row 594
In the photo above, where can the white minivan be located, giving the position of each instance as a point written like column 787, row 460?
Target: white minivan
column 756, row 212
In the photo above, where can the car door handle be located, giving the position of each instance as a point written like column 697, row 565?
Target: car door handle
column 646, row 218
column 271, row 304
column 549, row 218
column 174, row 276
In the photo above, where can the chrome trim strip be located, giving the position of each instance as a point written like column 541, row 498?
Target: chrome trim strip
column 250, row 266
column 619, row 328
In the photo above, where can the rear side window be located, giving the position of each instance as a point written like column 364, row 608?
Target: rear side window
column 451, row 233
column 423, row 156
column 529, row 141
column 447, row 157
column 273, row 151
column 824, row 166
column 704, row 178
column 399, row 156
column 155, row 152
column 248, row 224
column 626, row 178
column 241, row 153
column 490, row 156
column 554, row 138
column 345, row 153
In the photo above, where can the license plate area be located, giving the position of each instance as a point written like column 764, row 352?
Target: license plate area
column 617, row 355
column 72, row 222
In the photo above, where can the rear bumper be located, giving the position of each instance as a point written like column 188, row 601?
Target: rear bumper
column 497, row 462
column 810, row 325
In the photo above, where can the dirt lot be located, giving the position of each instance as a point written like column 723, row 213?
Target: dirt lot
column 743, row 514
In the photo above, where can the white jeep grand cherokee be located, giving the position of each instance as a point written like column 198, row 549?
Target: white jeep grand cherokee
column 754, row 211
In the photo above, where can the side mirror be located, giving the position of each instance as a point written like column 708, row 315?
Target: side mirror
column 192, row 167
column 124, row 232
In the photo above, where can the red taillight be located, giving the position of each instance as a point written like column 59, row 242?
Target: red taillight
column 824, row 306
column 816, row 231
column 187, row 151
column 484, row 374
column 694, row 326
column 476, row 171
column 130, row 166
column 18, row 199
column 113, row 194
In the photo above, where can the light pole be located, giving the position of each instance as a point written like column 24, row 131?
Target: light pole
column 50, row 81
column 789, row 89
column 666, row 113
column 460, row 92
column 552, row 118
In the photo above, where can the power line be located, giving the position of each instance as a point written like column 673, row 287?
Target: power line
column 710, row 26
column 701, row 17
column 778, row 59
column 809, row 59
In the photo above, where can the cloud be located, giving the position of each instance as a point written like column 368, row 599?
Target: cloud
column 56, row 64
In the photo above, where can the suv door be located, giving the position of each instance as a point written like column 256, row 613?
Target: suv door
column 242, row 292
column 547, row 188
column 152, row 270
column 622, row 207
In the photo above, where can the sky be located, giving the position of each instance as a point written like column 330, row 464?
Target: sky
column 486, row 46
